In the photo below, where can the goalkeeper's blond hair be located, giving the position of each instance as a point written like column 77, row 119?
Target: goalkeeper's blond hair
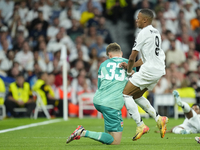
column 113, row 47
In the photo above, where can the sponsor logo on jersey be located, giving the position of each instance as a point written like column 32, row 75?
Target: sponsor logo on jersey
column 122, row 124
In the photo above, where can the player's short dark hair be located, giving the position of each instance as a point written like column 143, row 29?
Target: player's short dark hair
column 147, row 12
column 196, row 105
column 113, row 47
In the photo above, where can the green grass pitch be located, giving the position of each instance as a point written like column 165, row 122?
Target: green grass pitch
column 53, row 136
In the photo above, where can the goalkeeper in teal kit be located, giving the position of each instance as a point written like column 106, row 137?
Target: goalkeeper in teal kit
column 109, row 99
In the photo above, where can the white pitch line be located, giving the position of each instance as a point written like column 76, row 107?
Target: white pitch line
column 30, row 125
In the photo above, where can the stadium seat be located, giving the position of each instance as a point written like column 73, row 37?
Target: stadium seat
column 41, row 107
column 86, row 103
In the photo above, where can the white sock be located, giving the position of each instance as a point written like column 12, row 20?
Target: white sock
column 146, row 106
column 132, row 109
column 186, row 108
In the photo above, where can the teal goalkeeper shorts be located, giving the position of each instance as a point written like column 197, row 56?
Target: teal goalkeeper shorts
column 112, row 118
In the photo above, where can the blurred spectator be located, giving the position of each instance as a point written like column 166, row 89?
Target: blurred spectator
column 192, row 47
column 47, row 94
column 105, row 33
column 16, row 26
column 93, row 72
column 80, row 58
column 53, row 29
column 93, row 58
column 6, row 6
column 188, row 11
column 59, row 41
column 161, row 87
column 55, row 67
column 33, row 73
column 177, row 76
column 67, row 21
column 195, row 22
column 36, row 32
column 115, row 9
column 169, row 14
column 7, row 63
column 192, row 60
column 24, row 56
column 99, row 45
column 176, row 6
column 181, row 22
column 51, row 82
column 79, row 85
column 185, row 39
column 95, row 20
column 18, row 44
column 15, row 70
column 45, row 7
column 59, row 76
column 87, row 14
column 166, row 38
column 4, row 36
column 90, row 36
column 74, row 71
column 79, row 46
column 75, row 14
column 2, row 57
column 20, row 95
column 96, row 4
column 4, row 44
column 40, row 60
column 47, row 56
column 2, row 92
column 32, row 14
column 174, row 55
column 185, row 68
column 39, row 19
column 75, row 30
column 23, row 11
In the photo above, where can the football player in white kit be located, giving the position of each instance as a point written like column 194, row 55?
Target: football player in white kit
column 197, row 139
column 152, row 68
column 191, row 123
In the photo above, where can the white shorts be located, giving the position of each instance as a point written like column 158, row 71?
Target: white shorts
column 143, row 81
column 192, row 124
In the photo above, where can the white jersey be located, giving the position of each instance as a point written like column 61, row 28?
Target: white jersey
column 192, row 124
column 148, row 43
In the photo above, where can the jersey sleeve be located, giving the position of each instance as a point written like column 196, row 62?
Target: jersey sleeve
column 139, row 42
column 99, row 77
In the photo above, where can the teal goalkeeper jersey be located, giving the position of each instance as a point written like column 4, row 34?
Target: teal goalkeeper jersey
column 111, row 82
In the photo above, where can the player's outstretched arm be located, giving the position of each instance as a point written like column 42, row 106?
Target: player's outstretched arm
column 131, row 61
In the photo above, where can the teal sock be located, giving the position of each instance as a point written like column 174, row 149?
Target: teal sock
column 100, row 136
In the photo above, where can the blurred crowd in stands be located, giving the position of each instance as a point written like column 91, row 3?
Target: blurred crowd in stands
column 32, row 33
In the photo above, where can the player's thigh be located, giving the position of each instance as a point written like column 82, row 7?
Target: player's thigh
column 112, row 119
column 117, row 137
column 133, row 90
